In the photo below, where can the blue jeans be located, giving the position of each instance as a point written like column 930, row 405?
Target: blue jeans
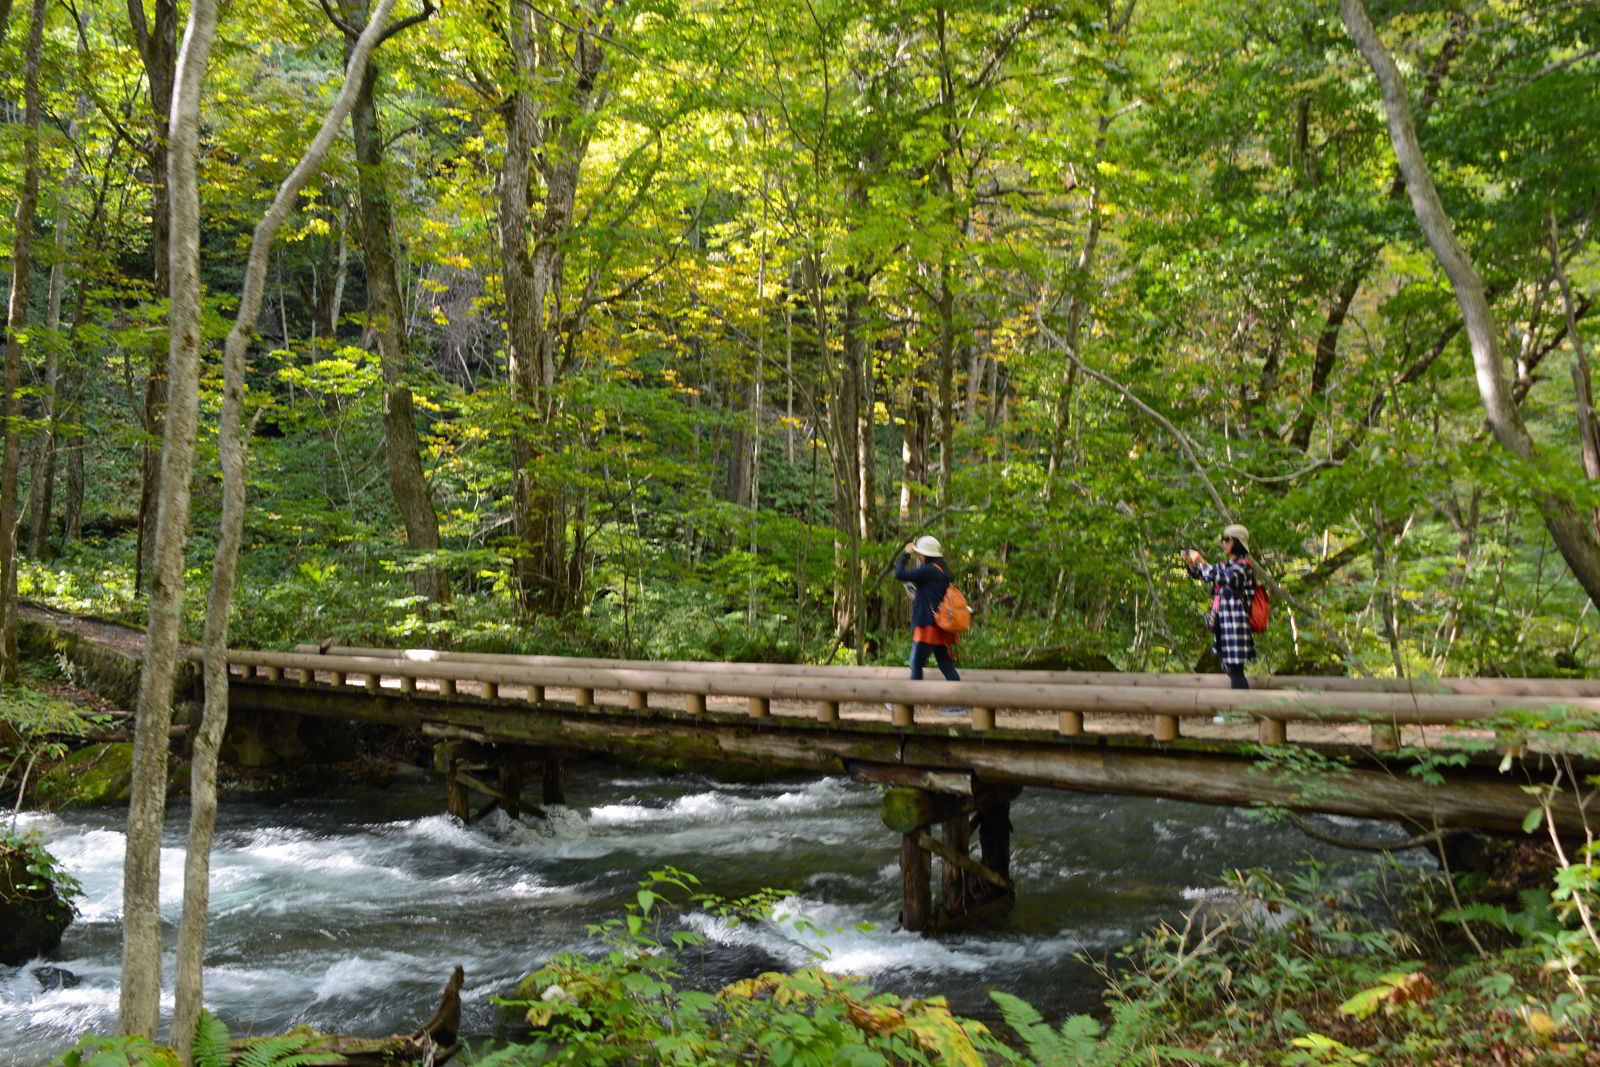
column 941, row 655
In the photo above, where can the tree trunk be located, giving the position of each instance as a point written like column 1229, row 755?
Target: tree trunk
column 16, row 321
column 1582, row 380
column 156, row 39
column 386, row 317
column 1574, row 537
column 141, row 879
column 533, row 257
column 232, row 440
column 41, row 485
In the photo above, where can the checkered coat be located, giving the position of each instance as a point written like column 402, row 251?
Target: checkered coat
column 1233, row 587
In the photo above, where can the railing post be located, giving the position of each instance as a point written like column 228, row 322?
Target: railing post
column 1166, row 727
column 1272, row 731
column 491, row 690
column 274, row 674
column 536, row 694
column 983, row 719
column 760, row 708
column 374, row 683
column 1070, row 723
column 447, row 687
column 1385, row 737
column 694, row 703
column 638, row 700
column 339, row 679
column 828, row 711
column 408, row 685
column 902, row 715
column 584, row 698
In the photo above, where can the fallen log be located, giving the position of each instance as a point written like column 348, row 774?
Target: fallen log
column 431, row 1044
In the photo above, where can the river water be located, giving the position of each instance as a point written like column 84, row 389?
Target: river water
column 347, row 910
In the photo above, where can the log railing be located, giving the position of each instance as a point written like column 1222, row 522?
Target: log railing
column 1546, row 687
column 824, row 690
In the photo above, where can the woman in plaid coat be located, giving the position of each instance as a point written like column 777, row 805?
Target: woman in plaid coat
column 1233, row 587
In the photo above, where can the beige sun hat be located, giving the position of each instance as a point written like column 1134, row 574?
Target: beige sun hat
column 1238, row 533
column 928, row 546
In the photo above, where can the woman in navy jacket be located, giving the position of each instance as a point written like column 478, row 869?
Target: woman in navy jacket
column 929, row 579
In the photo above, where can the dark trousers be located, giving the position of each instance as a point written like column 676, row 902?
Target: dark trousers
column 1236, row 675
column 941, row 656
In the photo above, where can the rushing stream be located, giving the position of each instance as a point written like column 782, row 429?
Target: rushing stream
column 347, row 910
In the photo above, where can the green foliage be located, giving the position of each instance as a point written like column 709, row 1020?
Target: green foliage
column 211, row 1048
column 137, row 1051
column 629, row 1003
column 35, row 728
column 35, row 875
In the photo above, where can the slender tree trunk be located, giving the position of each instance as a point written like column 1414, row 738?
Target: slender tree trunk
column 16, row 321
column 72, row 517
column 1582, row 380
column 156, row 37
column 1574, row 536
column 386, row 317
column 232, row 440
column 41, row 484
column 141, row 878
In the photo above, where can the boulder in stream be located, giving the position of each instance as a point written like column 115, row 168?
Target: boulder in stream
column 33, row 912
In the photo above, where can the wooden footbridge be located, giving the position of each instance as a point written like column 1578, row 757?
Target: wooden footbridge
column 955, row 754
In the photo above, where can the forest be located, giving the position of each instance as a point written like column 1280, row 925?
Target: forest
column 658, row 328
column 655, row 328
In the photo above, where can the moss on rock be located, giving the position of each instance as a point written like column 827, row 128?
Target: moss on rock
column 92, row 775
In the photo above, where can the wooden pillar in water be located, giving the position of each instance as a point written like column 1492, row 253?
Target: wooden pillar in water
column 550, row 789
column 994, row 842
column 513, row 775
column 456, row 800
column 916, row 885
column 956, row 890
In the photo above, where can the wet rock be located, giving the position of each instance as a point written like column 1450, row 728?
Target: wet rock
column 33, row 915
column 50, row 978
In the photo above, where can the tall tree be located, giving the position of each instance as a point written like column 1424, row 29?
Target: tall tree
column 1576, row 538
column 16, row 321
column 386, row 313
column 549, row 133
column 140, row 1003
column 155, row 36
column 231, row 446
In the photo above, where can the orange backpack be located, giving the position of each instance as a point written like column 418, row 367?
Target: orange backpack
column 1260, row 606
column 953, row 615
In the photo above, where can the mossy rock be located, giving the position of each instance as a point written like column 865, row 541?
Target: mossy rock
column 90, row 776
column 33, row 915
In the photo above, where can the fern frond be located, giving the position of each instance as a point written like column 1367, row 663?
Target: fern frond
column 210, row 1041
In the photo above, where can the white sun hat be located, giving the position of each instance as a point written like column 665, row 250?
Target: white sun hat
column 928, row 546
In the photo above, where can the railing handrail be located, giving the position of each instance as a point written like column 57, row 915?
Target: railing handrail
column 1463, row 686
column 1278, row 704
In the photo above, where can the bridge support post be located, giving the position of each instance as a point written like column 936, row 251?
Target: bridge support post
column 968, row 888
column 456, row 801
column 513, row 775
column 550, row 788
